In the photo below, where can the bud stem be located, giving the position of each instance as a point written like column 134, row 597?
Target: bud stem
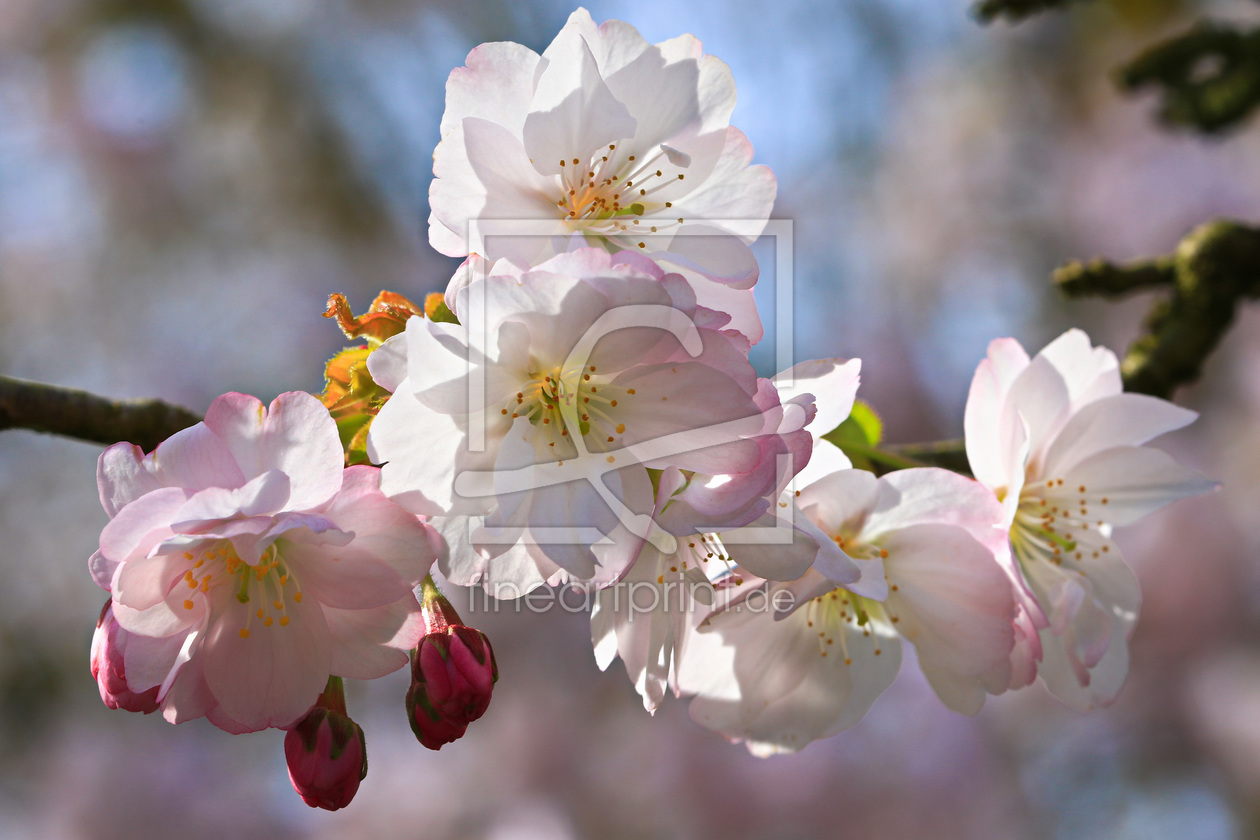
column 438, row 612
column 334, row 696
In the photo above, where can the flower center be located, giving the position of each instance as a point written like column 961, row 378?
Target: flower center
column 839, row 617
column 270, row 582
column 614, row 196
column 1055, row 523
column 703, row 559
column 560, row 403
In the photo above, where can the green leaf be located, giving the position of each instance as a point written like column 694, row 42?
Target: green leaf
column 861, row 432
column 866, row 418
column 437, row 310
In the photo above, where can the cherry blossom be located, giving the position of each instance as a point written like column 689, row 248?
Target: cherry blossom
column 247, row 566
column 647, row 617
column 527, row 430
column 779, row 684
column 609, row 139
column 1060, row 445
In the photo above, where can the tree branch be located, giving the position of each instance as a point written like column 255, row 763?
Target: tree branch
column 78, row 414
column 987, row 11
column 1100, row 278
column 1213, row 269
column 1209, row 77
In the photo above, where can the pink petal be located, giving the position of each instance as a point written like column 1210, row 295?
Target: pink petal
column 273, row 676
column 195, row 458
column 141, row 525
column 366, row 644
column 296, row 436
column 122, row 478
column 956, row 604
column 382, row 530
column 987, row 420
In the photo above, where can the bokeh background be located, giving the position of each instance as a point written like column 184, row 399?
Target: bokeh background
column 183, row 182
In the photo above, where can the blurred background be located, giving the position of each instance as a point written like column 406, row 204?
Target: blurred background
column 183, row 182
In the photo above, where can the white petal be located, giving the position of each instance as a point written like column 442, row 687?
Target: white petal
column 1085, row 650
column 839, row 503
column 1108, row 422
column 495, row 84
column 935, row 496
column 768, row 683
column 1090, row 373
column 990, row 426
column 388, row 363
column 733, row 191
column 833, row 384
column 1136, row 480
column 415, row 445
column 572, row 113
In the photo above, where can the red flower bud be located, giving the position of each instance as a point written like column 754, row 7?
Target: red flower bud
column 326, row 753
column 452, row 674
column 109, row 644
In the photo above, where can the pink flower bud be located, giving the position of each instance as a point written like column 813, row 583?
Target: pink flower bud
column 327, row 755
column 109, row 643
column 452, row 673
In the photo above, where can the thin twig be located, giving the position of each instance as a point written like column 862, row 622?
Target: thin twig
column 948, row 454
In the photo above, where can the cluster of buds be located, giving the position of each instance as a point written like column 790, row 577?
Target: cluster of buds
column 452, row 674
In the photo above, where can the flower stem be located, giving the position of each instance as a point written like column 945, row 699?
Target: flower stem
column 883, row 456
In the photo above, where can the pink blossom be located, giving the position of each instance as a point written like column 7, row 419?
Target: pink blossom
column 247, row 566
